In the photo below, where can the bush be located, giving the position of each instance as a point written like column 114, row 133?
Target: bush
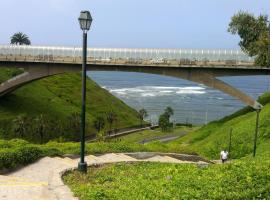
column 17, row 152
column 11, row 158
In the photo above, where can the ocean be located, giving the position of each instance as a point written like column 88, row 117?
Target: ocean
column 191, row 102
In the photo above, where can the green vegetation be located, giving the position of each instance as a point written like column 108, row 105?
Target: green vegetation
column 244, row 179
column 50, row 109
column 20, row 39
column 212, row 138
column 255, row 35
column 142, row 114
column 164, row 120
column 7, row 73
column 111, row 119
column 17, row 152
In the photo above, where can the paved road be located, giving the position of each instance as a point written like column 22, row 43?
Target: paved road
column 42, row 179
column 166, row 138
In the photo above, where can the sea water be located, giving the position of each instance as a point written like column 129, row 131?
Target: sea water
column 191, row 102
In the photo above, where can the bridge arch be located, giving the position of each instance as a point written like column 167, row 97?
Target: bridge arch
column 207, row 77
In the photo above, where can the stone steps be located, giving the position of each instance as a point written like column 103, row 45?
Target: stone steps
column 112, row 157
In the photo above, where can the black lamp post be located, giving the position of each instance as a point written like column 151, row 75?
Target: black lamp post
column 85, row 20
column 256, row 132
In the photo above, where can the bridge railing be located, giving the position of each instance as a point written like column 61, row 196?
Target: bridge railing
column 153, row 56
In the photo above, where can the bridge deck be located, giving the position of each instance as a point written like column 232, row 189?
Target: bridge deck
column 123, row 62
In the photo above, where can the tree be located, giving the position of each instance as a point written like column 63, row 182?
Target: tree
column 111, row 118
column 169, row 111
column 115, row 123
column 99, row 123
column 101, row 135
column 20, row 39
column 164, row 122
column 40, row 126
column 20, row 124
column 164, row 119
column 142, row 114
column 75, row 124
column 255, row 35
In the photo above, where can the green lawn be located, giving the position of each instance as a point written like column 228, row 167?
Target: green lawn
column 247, row 178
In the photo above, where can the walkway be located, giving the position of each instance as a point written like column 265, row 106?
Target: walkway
column 42, row 179
column 164, row 138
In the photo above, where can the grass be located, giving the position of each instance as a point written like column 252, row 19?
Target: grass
column 7, row 73
column 58, row 98
column 243, row 179
column 212, row 138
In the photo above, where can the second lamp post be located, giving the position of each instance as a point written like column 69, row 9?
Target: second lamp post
column 85, row 20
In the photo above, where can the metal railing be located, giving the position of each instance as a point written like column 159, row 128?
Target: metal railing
column 155, row 56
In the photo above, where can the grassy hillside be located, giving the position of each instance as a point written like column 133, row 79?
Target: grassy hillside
column 210, row 139
column 56, row 102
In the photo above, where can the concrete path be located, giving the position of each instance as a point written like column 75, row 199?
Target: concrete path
column 164, row 138
column 42, row 179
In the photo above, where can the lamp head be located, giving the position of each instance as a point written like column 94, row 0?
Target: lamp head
column 85, row 20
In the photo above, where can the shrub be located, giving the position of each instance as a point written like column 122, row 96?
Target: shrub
column 11, row 158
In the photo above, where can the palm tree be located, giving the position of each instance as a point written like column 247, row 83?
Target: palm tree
column 20, row 124
column 74, row 125
column 142, row 115
column 115, row 123
column 40, row 126
column 99, row 123
column 111, row 118
column 20, row 39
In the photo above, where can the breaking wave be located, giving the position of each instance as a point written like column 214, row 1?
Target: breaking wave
column 155, row 91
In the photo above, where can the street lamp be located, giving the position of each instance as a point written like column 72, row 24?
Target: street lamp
column 85, row 21
column 256, row 131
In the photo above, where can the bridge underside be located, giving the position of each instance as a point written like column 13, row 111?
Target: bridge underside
column 204, row 75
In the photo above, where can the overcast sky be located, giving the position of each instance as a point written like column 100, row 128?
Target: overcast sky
column 126, row 23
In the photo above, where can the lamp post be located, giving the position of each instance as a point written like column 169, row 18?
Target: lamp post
column 230, row 142
column 85, row 21
column 256, row 132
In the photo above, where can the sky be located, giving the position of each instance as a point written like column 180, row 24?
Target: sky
column 126, row 23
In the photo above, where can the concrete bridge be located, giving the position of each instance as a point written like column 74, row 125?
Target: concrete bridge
column 200, row 66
